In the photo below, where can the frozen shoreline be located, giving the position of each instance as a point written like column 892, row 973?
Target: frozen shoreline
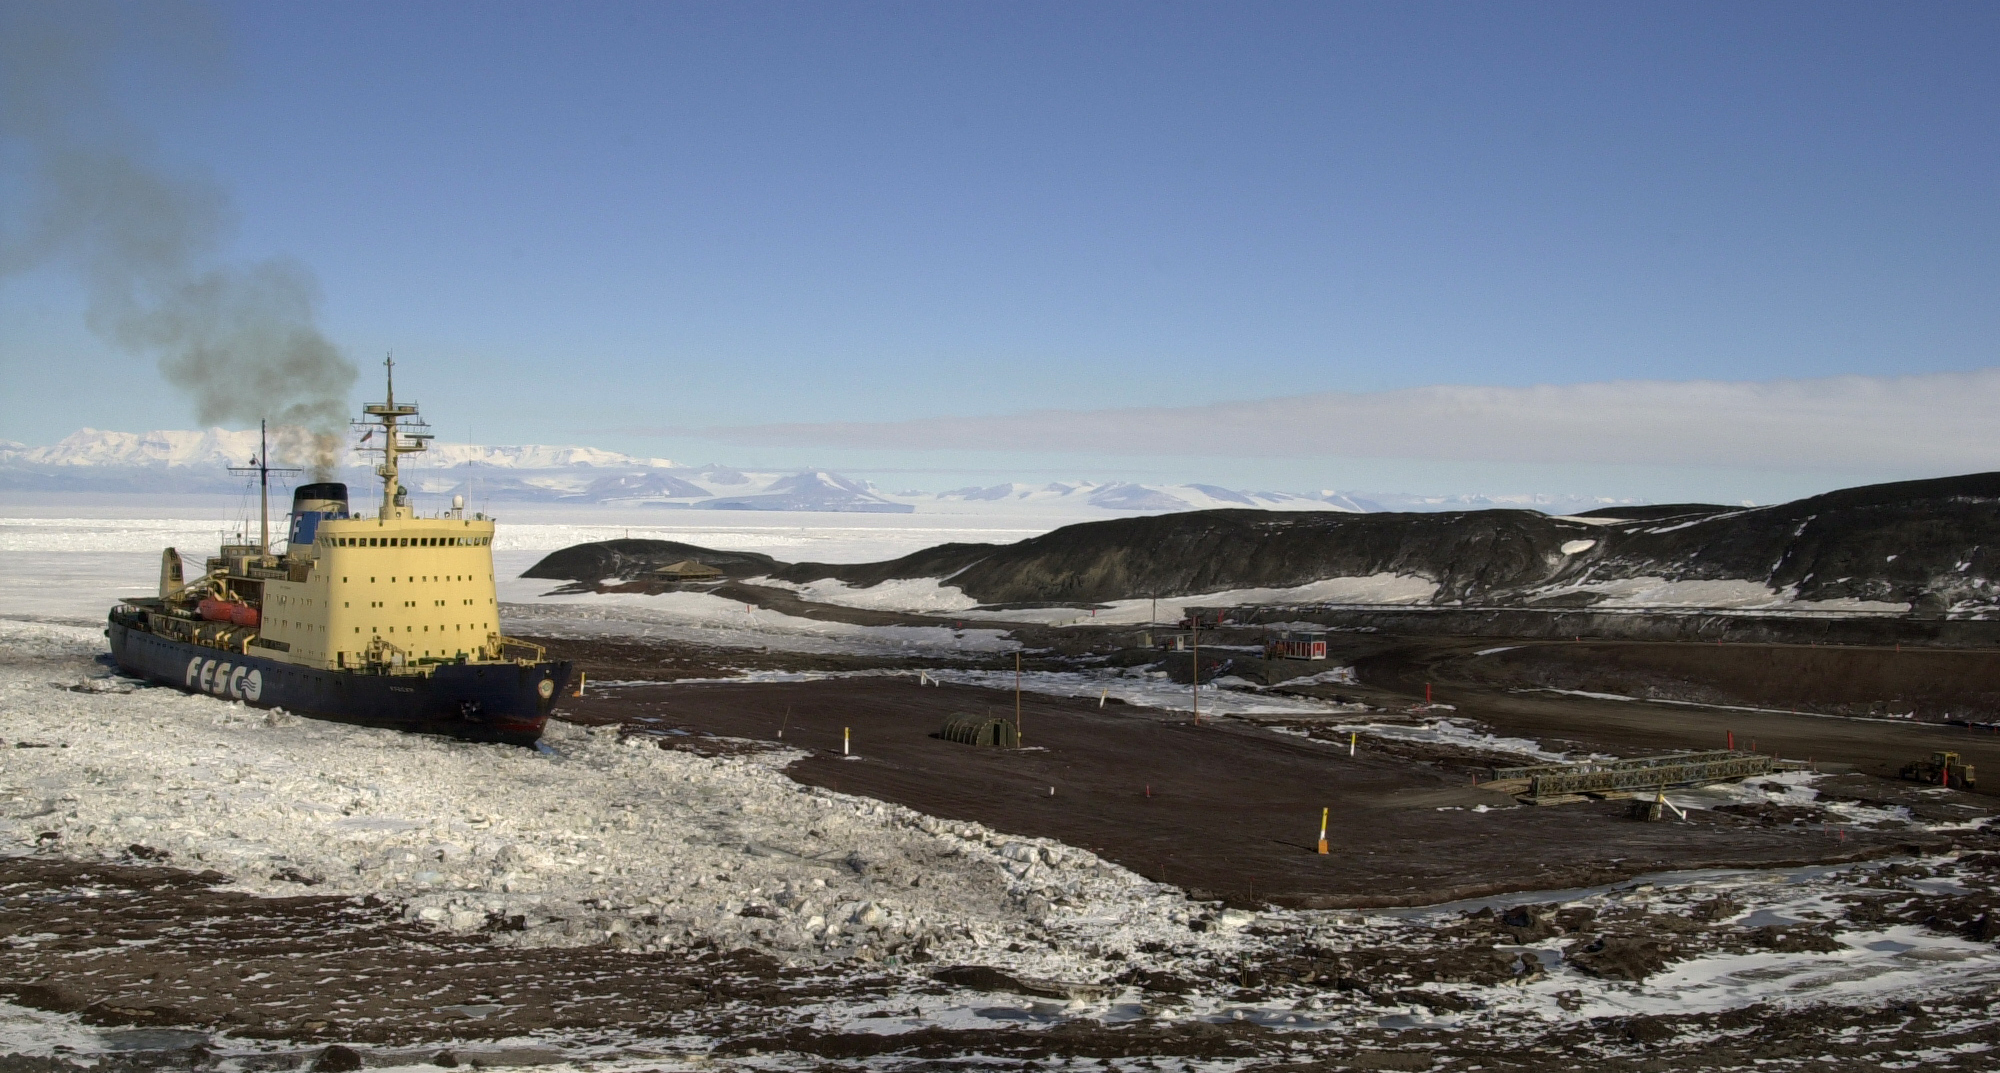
column 593, row 838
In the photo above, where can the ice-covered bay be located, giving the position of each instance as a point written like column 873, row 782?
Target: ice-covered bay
column 71, row 556
column 596, row 839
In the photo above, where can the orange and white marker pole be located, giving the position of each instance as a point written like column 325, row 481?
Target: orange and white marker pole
column 1352, row 737
column 1322, row 828
column 846, row 736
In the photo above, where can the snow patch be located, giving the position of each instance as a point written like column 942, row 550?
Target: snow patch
column 589, row 840
column 1730, row 594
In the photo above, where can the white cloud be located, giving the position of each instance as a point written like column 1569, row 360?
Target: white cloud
column 1933, row 421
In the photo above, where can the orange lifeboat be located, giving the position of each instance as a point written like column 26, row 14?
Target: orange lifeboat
column 230, row 611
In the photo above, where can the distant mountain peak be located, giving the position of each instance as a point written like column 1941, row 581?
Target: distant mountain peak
column 195, row 460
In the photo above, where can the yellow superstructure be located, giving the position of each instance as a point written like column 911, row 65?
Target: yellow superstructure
column 373, row 588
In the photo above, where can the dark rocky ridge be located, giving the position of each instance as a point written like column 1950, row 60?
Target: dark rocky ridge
column 1468, row 554
column 1929, row 544
column 631, row 560
column 1653, row 512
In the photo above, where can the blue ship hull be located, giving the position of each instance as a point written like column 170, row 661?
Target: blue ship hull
column 500, row 702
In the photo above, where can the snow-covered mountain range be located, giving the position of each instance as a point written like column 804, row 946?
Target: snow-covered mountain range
column 198, row 461
column 216, row 448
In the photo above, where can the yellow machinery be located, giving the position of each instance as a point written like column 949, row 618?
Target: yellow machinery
column 1942, row 769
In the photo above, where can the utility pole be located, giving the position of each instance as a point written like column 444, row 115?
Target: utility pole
column 1194, row 620
column 1017, row 698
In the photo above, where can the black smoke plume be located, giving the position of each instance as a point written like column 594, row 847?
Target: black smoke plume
column 242, row 341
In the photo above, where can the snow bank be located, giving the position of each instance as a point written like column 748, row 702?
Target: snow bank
column 1147, row 689
column 932, row 595
column 701, row 618
column 1450, row 731
column 901, row 594
column 597, row 840
column 1733, row 594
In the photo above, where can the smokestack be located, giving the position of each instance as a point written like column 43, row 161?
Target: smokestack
column 242, row 341
column 310, row 504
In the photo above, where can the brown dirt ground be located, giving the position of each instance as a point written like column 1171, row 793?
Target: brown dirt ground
column 1234, row 808
column 1502, row 690
column 146, row 945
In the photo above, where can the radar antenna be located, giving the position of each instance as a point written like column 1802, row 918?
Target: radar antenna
column 409, row 437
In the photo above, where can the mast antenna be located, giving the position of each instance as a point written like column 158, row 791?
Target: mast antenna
column 402, row 433
column 261, row 466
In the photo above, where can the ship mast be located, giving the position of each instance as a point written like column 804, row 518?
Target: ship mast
column 395, row 441
column 260, row 465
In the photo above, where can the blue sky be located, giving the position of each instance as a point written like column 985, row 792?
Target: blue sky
column 633, row 225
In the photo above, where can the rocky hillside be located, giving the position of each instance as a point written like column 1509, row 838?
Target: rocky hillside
column 1925, row 547
column 631, row 560
column 1468, row 554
